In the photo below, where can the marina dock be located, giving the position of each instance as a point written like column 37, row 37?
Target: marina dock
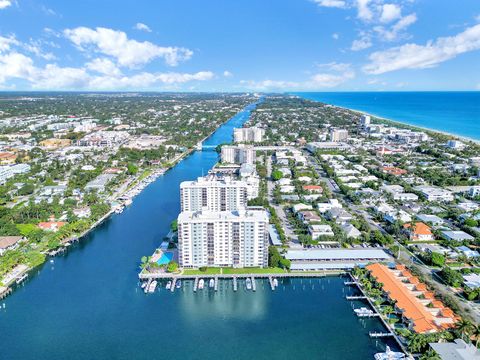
column 235, row 287
column 195, row 285
column 355, row 297
column 270, row 280
column 254, row 285
column 374, row 334
column 174, row 282
column 216, row 283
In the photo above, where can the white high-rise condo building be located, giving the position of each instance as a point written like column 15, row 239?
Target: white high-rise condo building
column 240, row 154
column 227, row 238
column 213, row 193
column 252, row 134
column 365, row 121
column 338, row 135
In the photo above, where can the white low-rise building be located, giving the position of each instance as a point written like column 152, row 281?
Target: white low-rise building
column 316, row 231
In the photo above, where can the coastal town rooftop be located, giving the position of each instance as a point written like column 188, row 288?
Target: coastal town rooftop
column 418, row 305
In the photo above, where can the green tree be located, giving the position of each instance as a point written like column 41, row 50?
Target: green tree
column 132, row 169
column 172, row 266
column 437, row 259
column 276, row 175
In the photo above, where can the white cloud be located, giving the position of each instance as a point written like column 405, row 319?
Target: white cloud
column 103, row 66
column 394, row 32
column 227, row 73
column 129, row 53
column 338, row 73
column 361, row 44
column 335, row 36
column 331, row 3
column 413, row 56
column 143, row 27
column 363, row 10
column 7, row 42
column 5, row 3
column 390, row 12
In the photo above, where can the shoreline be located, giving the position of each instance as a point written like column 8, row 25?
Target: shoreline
column 9, row 288
column 399, row 122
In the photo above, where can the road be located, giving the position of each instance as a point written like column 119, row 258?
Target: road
column 293, row 238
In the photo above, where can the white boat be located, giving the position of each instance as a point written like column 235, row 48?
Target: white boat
column 144, row 284
column 169, row 285
column 178, row 284
column 363, row 311
column 128, row 202
column 275, row 282
column 21, row 278
column 211, row 283
column 249, row 284
column 201, row 283
column 389, row 355
column 152, row 286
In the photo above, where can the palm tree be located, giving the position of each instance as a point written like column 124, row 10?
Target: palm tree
column 476, row 334
column 464, row 328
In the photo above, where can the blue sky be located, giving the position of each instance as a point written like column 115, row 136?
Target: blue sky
column 233, row 45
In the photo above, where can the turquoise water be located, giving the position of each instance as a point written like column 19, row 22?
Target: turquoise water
column 453, row 112
column 88, row 305
column 165, row 258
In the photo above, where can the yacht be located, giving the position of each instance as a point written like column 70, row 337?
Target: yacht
column 249, row 284
column 201, row 283
column 169, row 285
column 144, row 284
column 178, row 284
column 211, row 283
column 389, row 355
column 153, row 285
column 275, row 282
column 363, row 311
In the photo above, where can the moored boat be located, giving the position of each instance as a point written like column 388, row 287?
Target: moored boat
column 249, row 284
column 211, row 283
column 201, row 283
column 389, row 355
column 169, row 285
column 153, row 285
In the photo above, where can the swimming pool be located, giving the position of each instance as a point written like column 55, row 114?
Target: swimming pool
column 165, row 258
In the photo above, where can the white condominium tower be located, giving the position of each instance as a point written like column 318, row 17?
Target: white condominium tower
column 213, row 194
column 252, row 134
column 240, row 154
column 228, row 238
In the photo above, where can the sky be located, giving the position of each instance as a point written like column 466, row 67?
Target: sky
column 240, row 45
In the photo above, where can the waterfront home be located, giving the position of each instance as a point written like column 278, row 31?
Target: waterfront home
column 9, row 243
column 418, row 306
column 316, row 231
column 53, row 226
column 418, row 231
column 457, row 350
column 83, row 212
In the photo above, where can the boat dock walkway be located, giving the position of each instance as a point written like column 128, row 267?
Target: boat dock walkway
column 254, row 285
column 235, row 285
column 164, row 275
column 174, row 282
column 355, row 297
column 216, row 283
column 270, row 280
column 374, row 334
column 368, row 315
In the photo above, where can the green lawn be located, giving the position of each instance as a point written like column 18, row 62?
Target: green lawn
column 209, row 271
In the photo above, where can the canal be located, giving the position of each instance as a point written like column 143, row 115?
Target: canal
column 87, row 304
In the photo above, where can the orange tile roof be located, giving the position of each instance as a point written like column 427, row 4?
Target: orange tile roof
column 394, row 170
column 423, row 321
column 418, row 228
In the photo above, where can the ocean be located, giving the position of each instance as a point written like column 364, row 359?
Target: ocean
column 456, row 113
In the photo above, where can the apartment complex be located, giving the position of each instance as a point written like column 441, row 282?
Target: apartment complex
column 240, row 154
column 213, row 193
column 252, row 134
column 226, row 238
column 338, row 135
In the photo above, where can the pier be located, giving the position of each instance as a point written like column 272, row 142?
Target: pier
column 355, row 297
column 235, row 287
column 270, row 280
column 368, row 315
column 4, row 292
column 254, row 285
column 216, row 283
column 300, row 274
column 374, row 334
column 195, row 285
column 172, row 287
